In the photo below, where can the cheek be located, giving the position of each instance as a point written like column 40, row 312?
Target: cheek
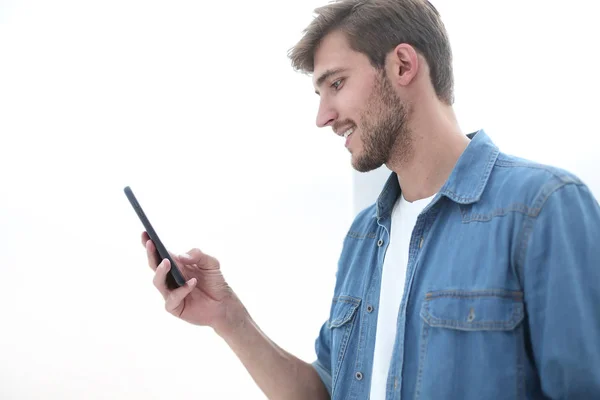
column 353, row 109
column 353, row 102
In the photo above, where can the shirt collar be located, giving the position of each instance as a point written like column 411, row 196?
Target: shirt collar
column 467, row 181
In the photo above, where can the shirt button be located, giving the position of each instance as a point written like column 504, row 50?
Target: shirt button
column 471, row 316
column 421, row 242
column 359, row 375
column 380, row 243
column 369, row 308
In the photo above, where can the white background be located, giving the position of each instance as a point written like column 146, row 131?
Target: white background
column 195, row 106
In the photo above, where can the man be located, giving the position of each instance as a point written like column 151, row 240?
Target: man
column 475, row 274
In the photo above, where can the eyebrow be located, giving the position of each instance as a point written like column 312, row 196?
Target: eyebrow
column 327, row 74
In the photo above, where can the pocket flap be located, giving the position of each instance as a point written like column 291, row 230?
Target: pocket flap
column 496, row 310
column 343, row 310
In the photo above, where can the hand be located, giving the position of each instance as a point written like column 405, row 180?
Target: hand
column 203, row 299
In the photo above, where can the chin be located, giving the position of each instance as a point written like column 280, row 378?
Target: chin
column 362, row 165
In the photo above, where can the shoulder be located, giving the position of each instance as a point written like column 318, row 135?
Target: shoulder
column 529, row 183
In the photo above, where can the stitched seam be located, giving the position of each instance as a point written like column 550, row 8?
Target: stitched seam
column 505, row 294
column 492, row 325
column 500, row 212
column 482, row 183
column 488, row 170
column 347, row 327
column 338, row 322
column 357, row 235
column 564, row 178
column 341, row 354
column 424, row 342
column 364, row 322
column 346, row 299
column 529, row 224
column 505, row 324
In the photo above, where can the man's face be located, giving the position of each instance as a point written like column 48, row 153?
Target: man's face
column 357, row 98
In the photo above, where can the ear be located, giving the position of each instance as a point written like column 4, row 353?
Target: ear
column 403, row 64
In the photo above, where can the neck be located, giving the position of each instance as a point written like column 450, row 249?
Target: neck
column 436, row 145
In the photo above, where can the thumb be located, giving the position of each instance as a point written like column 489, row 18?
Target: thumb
column 174, row 301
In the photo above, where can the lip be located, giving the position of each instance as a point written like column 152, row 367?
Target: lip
column 349, row 138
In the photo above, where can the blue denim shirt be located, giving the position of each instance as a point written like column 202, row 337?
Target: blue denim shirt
column 502, row 294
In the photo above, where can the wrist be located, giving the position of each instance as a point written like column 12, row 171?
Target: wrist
column 235, row 318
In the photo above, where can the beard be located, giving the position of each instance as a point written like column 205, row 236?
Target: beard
column 384, row 129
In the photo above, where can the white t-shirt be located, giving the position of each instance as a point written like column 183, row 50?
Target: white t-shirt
column 404, row 217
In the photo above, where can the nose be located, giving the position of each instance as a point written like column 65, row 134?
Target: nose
column 326, row 115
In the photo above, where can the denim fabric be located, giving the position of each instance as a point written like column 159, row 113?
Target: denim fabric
column 502, row 297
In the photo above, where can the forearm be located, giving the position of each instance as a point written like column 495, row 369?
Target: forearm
column 279, row 374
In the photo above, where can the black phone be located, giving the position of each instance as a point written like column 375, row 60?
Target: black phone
column 174, row 277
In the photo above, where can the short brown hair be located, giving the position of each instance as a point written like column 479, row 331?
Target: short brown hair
column 375, row 27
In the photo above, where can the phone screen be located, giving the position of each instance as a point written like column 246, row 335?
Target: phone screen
column 174, row 277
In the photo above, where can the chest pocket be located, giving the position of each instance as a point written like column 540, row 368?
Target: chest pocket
column 468, row 337
column 473, row 311
column 344, row 317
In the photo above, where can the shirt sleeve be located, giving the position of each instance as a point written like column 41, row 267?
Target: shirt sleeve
column 561, row 274
column 323, row 362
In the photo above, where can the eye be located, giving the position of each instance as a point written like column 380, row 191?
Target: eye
column 337, row 84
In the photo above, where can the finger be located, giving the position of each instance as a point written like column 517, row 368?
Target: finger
column 176, row 297
column 194, row 256
column 160, row 277
column 145, row 238
column 151, row 253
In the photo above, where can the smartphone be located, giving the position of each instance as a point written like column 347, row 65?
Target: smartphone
column 174, row 277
